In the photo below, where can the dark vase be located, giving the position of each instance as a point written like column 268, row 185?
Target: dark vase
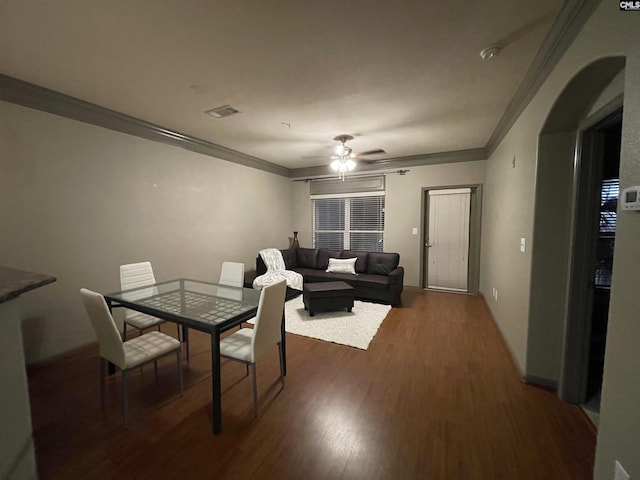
column 294, row 241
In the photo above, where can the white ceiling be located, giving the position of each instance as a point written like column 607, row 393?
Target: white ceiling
column 401, row 75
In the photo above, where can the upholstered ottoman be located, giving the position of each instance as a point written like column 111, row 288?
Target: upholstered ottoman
column 323, row 296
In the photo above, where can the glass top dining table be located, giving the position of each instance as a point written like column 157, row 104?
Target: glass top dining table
column 204, row 306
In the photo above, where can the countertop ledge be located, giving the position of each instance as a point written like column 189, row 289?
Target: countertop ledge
column 14, row 283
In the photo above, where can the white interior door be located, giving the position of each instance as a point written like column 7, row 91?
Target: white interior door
column 447, row 242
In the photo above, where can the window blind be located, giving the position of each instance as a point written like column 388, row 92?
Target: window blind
column 609, row 193
column 609, row 205
column 349, row 222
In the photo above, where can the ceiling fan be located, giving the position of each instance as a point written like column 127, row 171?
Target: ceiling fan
column 345, row 160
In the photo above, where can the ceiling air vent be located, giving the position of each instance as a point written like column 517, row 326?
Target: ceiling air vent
column 224, row 111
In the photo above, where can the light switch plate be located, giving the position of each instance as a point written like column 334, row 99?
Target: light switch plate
column 415, row 230
column 523, row 244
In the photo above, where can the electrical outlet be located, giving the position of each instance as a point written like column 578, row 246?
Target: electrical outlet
column 620, row 473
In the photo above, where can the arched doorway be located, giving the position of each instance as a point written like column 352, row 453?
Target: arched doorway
column 558, row 337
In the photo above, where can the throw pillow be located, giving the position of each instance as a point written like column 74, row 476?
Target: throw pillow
column 342, row 265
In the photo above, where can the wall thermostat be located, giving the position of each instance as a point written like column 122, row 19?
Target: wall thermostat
column 631, row 198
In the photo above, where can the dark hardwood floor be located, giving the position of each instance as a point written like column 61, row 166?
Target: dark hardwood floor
column 436, row 396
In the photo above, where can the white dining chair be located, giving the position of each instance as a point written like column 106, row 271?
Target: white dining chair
column 126, row 355
column 134, row 275
column 232, row 274
column 231, row 281
column 247, row 345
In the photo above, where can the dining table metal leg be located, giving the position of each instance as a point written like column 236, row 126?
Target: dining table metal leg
column 185, row 338
column 215, row 381
column 111, row 368
column 283, row 354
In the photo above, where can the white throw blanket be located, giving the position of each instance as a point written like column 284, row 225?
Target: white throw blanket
column 276, row 271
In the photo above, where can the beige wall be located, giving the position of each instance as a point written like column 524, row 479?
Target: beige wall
column 509, row 213
column 301, row 213
column 403, row 208
column 550, row 247
column 76, row 201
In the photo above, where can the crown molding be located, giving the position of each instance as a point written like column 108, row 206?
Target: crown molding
column 399, row 162
column 570, row 20
column 33, row 96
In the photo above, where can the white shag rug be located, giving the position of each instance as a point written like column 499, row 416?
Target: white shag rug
column 355, row 329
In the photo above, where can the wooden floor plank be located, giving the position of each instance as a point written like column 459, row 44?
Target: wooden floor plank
column 436, row 396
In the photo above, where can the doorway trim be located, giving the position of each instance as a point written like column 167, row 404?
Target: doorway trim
column 475, row 226
column 589, row 162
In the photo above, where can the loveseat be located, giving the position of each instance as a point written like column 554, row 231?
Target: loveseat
column 378, row 276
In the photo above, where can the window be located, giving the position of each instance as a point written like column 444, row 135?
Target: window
column 349, row 222
column 608, row 205
column 606, row 238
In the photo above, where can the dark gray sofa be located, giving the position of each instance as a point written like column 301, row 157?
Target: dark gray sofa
column 378, row 274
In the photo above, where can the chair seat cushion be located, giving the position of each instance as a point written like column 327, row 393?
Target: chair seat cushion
column 146, row 347
column 237, row 345
column 141, row 320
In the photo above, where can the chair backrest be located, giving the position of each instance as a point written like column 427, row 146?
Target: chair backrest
column 268, row 319
column 232, row 274
column 111, row 347
column 134, row 275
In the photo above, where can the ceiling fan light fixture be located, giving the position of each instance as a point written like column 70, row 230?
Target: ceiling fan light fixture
column 344, row 163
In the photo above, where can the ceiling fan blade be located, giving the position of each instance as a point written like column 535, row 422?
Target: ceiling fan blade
column 365, row 161
column 371, row 152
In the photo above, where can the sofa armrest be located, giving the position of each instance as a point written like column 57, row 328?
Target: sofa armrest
column 261, row 268
column 249, row 277
column 396, row 277
column 288, row 256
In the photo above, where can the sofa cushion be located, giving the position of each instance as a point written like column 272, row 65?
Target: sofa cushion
column 373, row 281
column 307, row 257
column 290, row 258
column 305, row 272
column 312, row 275
column 382, row 263
column 345, row 277
column 361, row 263
column 342, row 265
column 324, row 255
